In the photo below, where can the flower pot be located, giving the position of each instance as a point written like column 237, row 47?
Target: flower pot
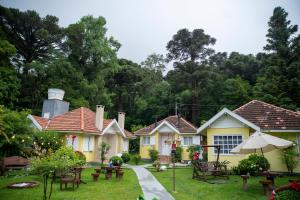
column 95, row 176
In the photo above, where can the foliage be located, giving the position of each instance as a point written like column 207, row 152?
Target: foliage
column 178, row 154
column 61, row 160
column 153, row 153
column 287, row 194
column 157, row 165
column 50, row 141
column 104, row 148
column 290, row 158
column 155, row 62
column 126, row 157
column 15, row 131
column 136, row 158
column 191, row 151
column 134, row 145
column 252, row 165
column 116, row 160
column 81, row 157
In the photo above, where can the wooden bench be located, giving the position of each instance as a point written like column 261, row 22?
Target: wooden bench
column 13, row 162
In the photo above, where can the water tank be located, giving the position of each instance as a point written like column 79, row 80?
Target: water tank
column 55, row 93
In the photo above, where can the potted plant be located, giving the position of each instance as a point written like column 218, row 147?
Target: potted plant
column 95, row 176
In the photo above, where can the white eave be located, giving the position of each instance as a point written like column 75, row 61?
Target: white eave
column 164, row 123
column 110, row 125
column 35, row 123
column 232, row 114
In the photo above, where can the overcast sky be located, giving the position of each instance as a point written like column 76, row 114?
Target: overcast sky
column 145, row 26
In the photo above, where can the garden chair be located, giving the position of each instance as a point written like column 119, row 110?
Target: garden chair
column 74, row 178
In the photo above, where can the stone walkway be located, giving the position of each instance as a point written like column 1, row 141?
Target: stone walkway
column 150, row 186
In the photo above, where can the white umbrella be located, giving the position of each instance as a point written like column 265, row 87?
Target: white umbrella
column 261, row 142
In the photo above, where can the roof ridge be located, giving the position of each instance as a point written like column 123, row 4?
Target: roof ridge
column 244, row 105
column 81, row 118
column 192, row 125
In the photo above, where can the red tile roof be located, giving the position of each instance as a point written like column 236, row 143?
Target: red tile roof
column 81, row 119
column 185, row 126
column 268, row 116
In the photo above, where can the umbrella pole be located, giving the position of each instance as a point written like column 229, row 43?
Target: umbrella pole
column 264, row 157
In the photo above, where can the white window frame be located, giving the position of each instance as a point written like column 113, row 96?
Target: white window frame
column 148, row 140
column 189, row 139
column 89, row 143
column 235, row 135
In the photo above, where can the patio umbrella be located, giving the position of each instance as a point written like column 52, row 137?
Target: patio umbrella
column 261, row 142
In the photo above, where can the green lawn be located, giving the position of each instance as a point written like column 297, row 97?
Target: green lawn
column 187, row 188
column 128, row 188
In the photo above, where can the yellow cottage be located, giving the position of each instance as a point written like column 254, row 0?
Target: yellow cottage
column 160, row 135
column 229, row 128
column 83, row 129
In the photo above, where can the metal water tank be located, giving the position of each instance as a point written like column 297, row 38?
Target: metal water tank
column 55, row 93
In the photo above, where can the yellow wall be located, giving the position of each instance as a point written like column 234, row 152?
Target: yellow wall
column 274, row 157
column 233, row 159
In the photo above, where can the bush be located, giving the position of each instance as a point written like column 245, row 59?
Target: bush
column 116, row 161
column 290, row 158
column 178, row 154
column 156, row 164
column 287, row 194
column 191, row 150
column 81, row 157
column 153, row 154
column 50, row 141
column 136, row 158
column 125, row 157
column 252, row 165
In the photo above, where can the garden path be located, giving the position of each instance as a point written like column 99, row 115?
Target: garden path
column 150, row 186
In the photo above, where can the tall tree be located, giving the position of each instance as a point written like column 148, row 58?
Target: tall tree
column 279, row 82
column 155, row 62
column 190, row 46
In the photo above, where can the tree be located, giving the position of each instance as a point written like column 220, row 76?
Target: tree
column 279, row 81
column 35, row 38
column 190, row 46
column 155, row 62
column 61, row 160
column 15, row 131
column 104, row 148
column 9, row 82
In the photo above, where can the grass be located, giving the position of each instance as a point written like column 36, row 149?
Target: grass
column 128, row 188
column 188, row 188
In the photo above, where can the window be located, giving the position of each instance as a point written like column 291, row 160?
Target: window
column 146, row 140
column 88, row 143
column 187, row 141
column 227, row 142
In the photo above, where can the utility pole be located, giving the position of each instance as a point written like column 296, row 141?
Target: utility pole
column 176, row 109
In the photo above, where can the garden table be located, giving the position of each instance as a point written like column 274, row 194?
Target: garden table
column 245, row 179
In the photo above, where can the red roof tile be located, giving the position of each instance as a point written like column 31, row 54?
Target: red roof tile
column 81, row 119
column 184, row 127
column 268, row 116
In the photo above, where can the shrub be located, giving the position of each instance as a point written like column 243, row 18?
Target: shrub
column 178, row 154
column 252, row 165
column 290, row 158
column 116, row 161
column 136, row 158
column 191, row 150
column 126, row 157
column 81, row 157
column 287, row 194
column 156, row 164
column 50, row 141
column 153, row 154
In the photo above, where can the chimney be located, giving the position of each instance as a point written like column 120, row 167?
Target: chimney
column 178, row 120
column 99, row 117
column 121, row 120
column 54, row 105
